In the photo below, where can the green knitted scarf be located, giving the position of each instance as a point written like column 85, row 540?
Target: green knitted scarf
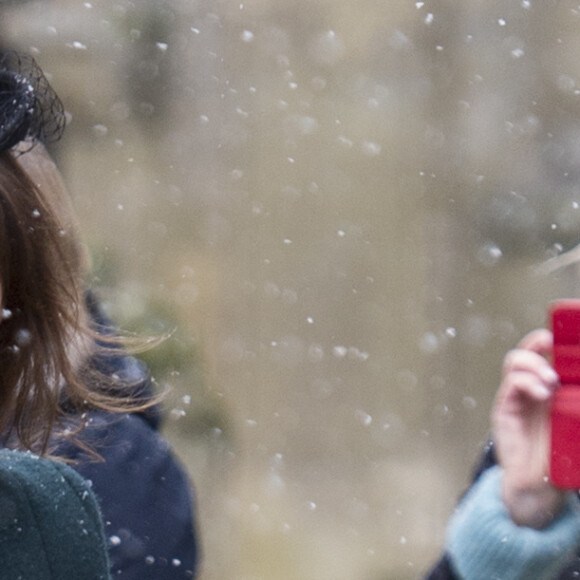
column 50, row 524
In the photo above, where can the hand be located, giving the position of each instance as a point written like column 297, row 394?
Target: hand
column 520, row 424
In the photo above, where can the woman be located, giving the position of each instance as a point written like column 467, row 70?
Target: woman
column 67, row 388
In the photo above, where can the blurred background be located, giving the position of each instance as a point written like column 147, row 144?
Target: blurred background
column 340, row 209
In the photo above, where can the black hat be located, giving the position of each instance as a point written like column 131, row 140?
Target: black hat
column 30, row 110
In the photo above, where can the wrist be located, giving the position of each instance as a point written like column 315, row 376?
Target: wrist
column 532, row 505
column 484, row 542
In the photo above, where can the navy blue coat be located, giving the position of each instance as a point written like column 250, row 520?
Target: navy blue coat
column 442, row 569
column 145, row 495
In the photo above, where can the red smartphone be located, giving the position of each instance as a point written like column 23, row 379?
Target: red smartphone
column 565, row 409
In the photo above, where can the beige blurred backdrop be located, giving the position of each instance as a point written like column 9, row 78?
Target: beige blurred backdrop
column 338, row 207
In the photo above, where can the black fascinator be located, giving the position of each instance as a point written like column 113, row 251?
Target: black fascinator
column 29, row 108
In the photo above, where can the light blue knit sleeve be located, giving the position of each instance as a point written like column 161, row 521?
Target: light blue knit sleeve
column 485, row 544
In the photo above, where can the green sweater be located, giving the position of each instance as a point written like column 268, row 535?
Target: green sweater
column 50, row 525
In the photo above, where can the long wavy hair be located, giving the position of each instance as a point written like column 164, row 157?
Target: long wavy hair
column 46, row 338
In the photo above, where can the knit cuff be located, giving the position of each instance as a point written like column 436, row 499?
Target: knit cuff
column 485, row 544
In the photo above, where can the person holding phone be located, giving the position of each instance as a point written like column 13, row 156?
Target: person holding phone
column 513, row 523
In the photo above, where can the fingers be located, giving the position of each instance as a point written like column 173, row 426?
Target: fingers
column 520, row 360
column 526, row 372
column 539, row 341
column 529, row 356
column 528, row 384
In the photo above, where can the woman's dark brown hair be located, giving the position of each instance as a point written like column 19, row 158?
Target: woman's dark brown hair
column 45, row 336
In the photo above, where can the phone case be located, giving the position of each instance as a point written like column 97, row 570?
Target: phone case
column 565, row 408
